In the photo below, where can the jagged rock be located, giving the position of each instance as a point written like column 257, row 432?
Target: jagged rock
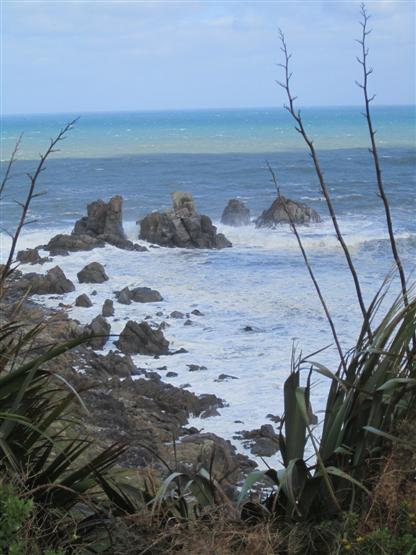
column 113, row 364
column 92, row 273
column 108, row 308
column 83, row 300
column 61, row 243
column 124, row 296
column 235, row 213
column 30, row 256
column 263, row 442
column 145, row 295
column 177, row 315
column 100, row 329
column 102, row 219
column 54, row 282
column 283, row 210
column 182, row 227
column 141, row 338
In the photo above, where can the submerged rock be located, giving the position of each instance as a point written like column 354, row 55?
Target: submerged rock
column 53, row 282
column 235, row 213
column 92, row 273
column 283, row 210
column 182, row 227
column 141, row 338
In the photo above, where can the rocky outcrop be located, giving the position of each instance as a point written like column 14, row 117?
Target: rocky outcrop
column 99, row 329
column 263, row 442
column 53, row 282
column 83, row 301
column 92, row 273
column 235, row 213
column 108, row 308
column 141, row 338
column 103, row 224
column 31, row 256
column 182, row 227
column 123, row 296
column 284, row 210
column 113, row 364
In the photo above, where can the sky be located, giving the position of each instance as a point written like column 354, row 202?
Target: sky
column 88, row 56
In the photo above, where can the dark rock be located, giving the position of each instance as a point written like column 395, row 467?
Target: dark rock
column 274, row 418
column 263, row 442
column 209, row 413
column 102, row 219
column 83, row 300
column 108, row 308
column 176, row 314
column 92, row 273
column 182, row 227
column 162, row 368
column 54, row 282
column 145, row 295
column 248, row 328
column 141, row 338
column 93, row 293
column 123, row 296
column 188, row 323
column 197, row 312
column 30, row 256
column 283, row 210
column 63, row 243
column 195, row 367
column 264, row 447
column 171, row 375
column 179, row 351
column 225, row 377
column 235, row 213
column 113, row 364
column 100, row 330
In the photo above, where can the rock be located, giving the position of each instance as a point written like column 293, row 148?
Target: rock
column 102, row 219
column 225, row 377
column 30, row 256
column 274, row 418
column 197, row 312
column 171, row 375
column 176, row 314
column 123, row 296
column 282, row 208
column 145, row 295
column 113, row 364
column 235, row 213
column 263, row 442
column 264, row 447
column 182, row 227
column 62, row 243
column 83, row 300
column 195, row 367
column 100, row 329
column 141, row 338
column 54, row 282
column 248, row 328
column 209, row 413
column 188, row 323
column 92, row 273
column 108, row 308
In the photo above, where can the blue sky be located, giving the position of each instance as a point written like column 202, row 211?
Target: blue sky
column 78, row 56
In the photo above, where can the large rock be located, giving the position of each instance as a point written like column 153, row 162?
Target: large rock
column 145, row 295
column 54, row 282
column 92, row 273
column 108, row 308
column 61, row 243
column 103, row 218
column 263, row 442
column 182, row 227
column 83, row 301
column 99, row 329
column 235, row 213
column 30, row 256
column 141, row 338
column 284, row 210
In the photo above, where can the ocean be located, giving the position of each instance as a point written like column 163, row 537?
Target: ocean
column 261, row 281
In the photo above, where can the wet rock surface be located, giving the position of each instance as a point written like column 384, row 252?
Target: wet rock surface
column 182, row 227
column 235, row 213
column 31, row 256
column 53, row 282
column 92, row 273
column 263, row 442
column 141, row 338
column 83, row 301
column 284, row 210
column 145, row 295
column 108, row 308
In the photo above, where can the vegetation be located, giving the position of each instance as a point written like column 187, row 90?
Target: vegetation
column 347, row 484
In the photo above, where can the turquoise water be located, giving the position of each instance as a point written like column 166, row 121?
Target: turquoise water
column 206, row 131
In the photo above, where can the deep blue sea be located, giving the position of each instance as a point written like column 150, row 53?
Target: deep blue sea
column 261, row 282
